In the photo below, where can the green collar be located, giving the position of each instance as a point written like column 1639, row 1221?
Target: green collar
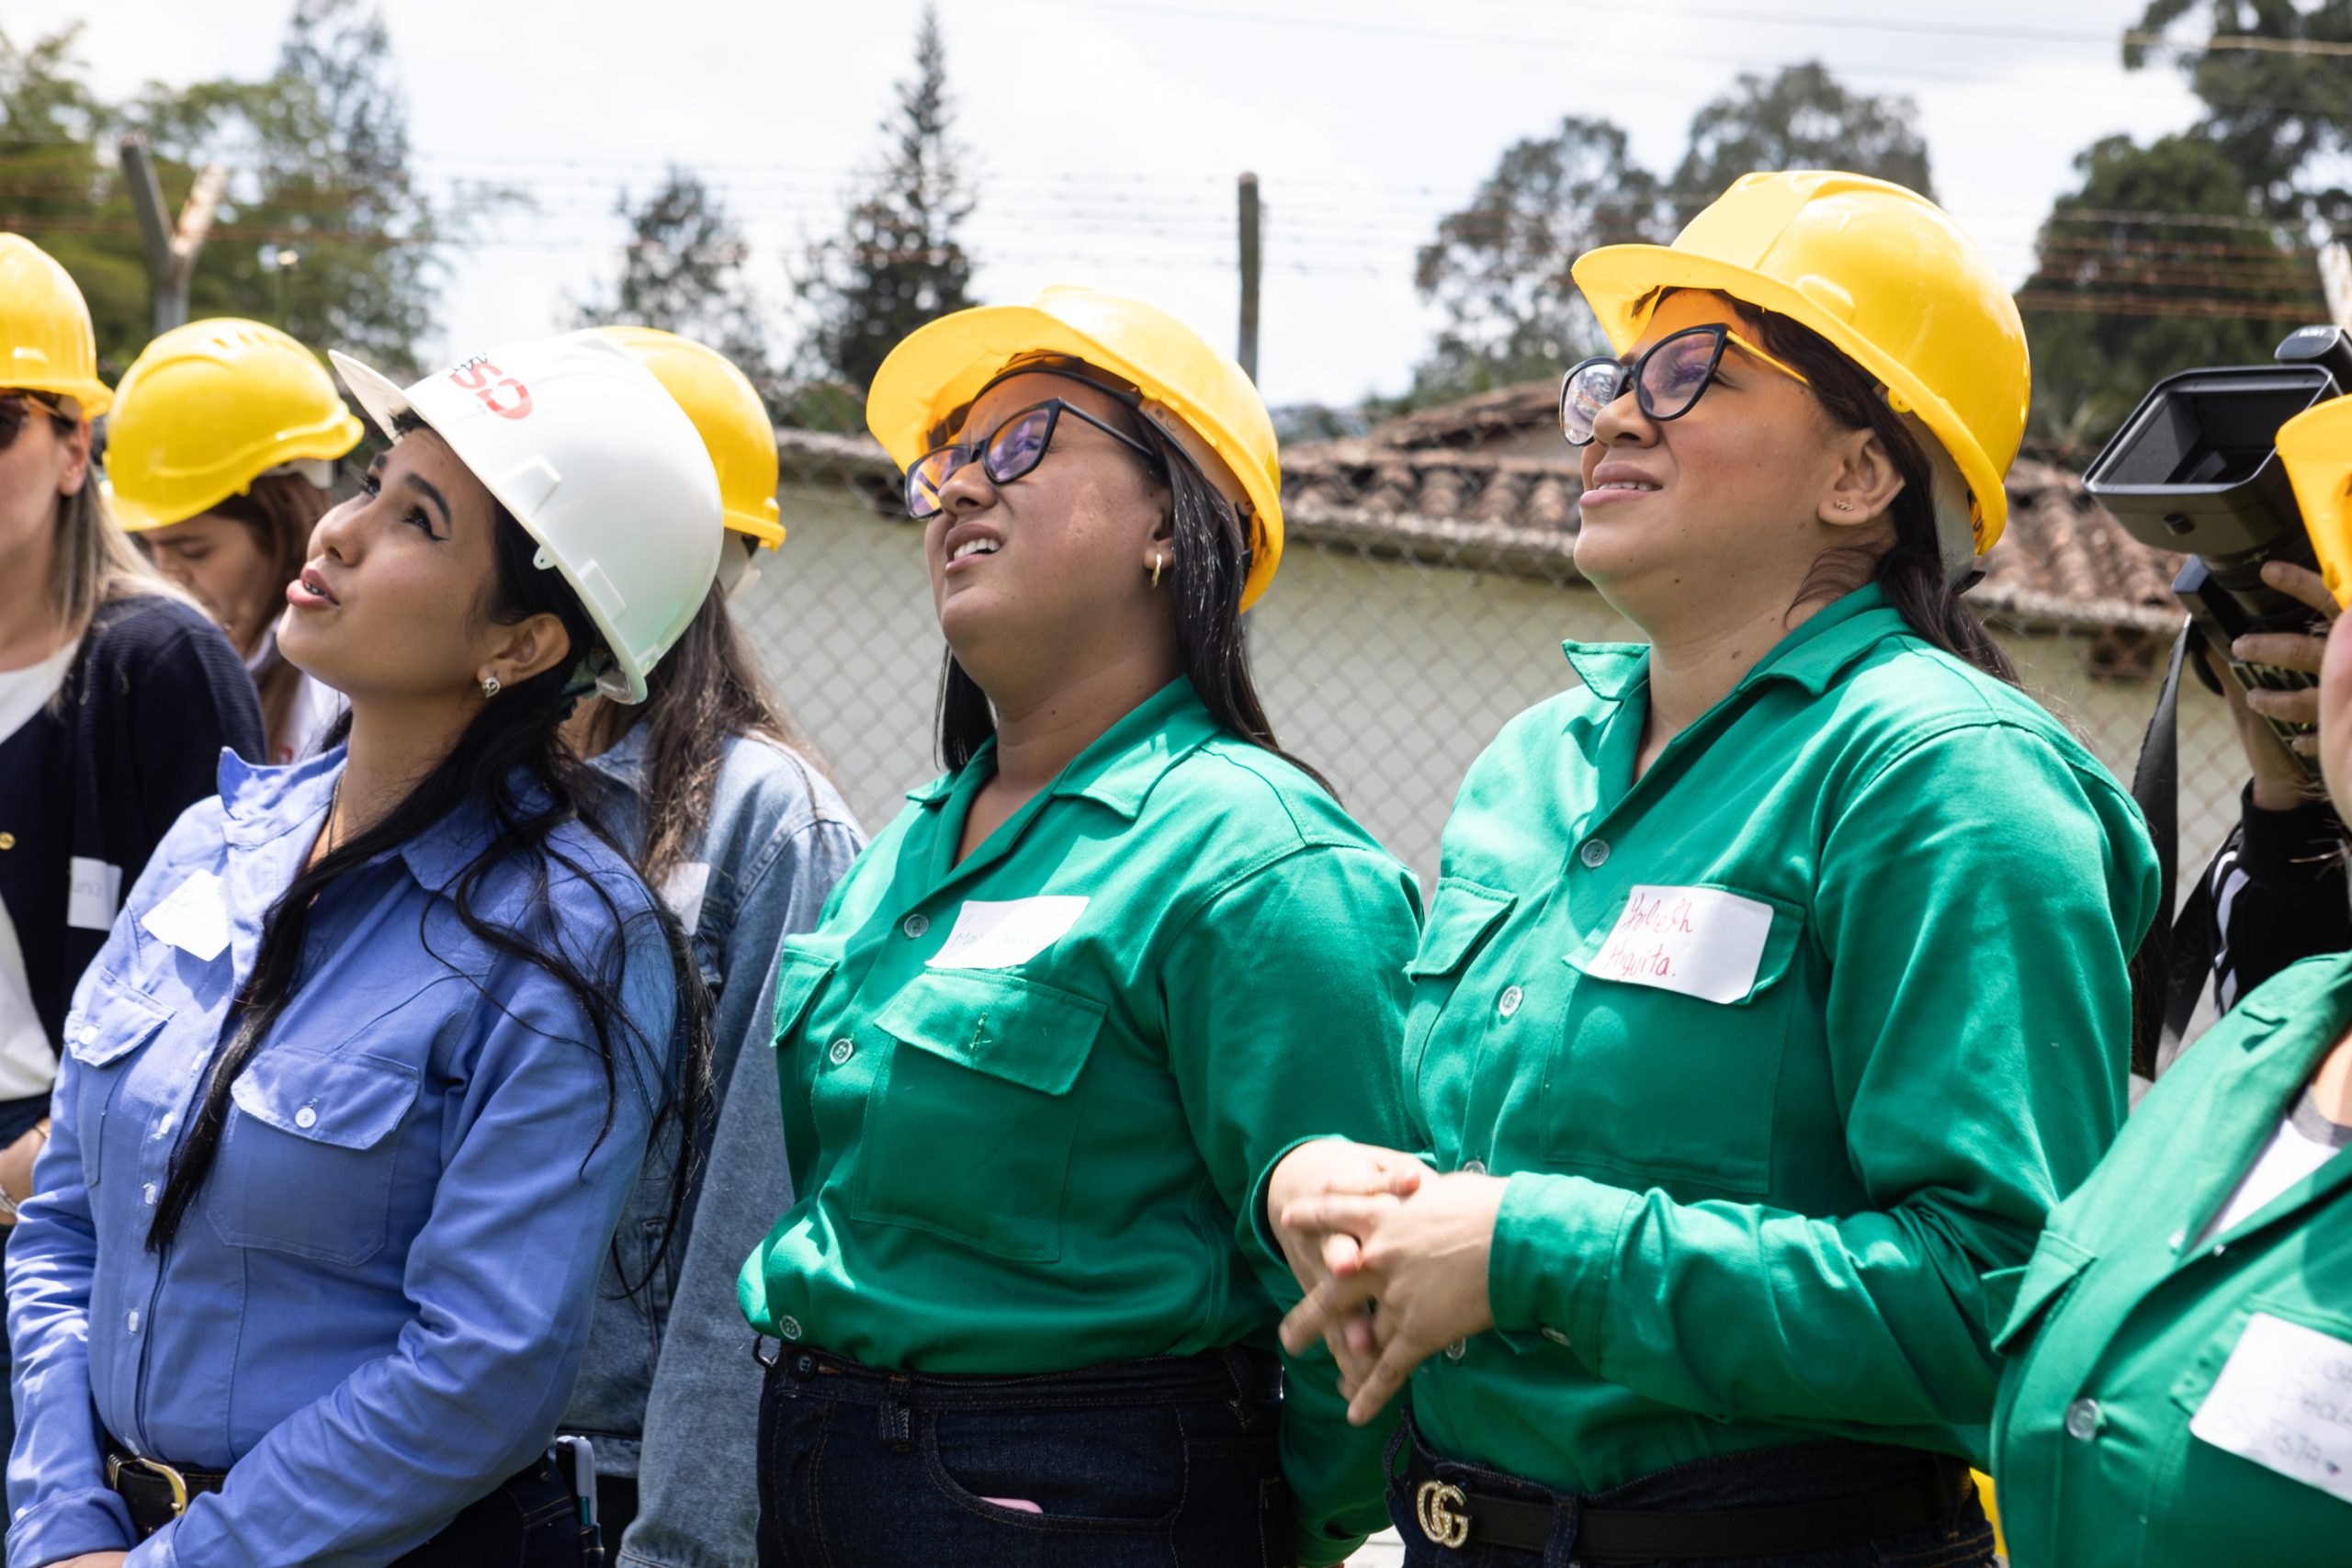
column 1122, row 766
column 1812, row 655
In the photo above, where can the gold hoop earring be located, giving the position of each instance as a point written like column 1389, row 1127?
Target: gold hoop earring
column 1155, row 571
column 489, row 686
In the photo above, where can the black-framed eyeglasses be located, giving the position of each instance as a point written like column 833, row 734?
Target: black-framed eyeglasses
column 1666, row 380
column 1012, row 449
column 19, row 408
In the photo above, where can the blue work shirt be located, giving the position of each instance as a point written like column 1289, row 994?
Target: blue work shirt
column 375, row 1306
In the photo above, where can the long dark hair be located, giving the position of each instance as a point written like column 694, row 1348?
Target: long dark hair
column 706, row 688
column 1912, row 572
column 1208, row 561
column 279, row 511
column 510, row 762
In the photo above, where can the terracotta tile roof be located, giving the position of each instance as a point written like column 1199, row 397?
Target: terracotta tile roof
column 1488, row 483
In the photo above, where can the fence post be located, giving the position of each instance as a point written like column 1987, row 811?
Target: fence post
column 1250, row 267
column 171, row 249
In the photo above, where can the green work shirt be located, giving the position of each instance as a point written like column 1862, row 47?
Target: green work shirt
column 1026, row 1095
column 2129, row 1312
column 1783, row 1046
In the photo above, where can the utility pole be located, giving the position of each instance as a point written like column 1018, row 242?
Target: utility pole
column 1250, row 258
column 2335, row 282
column 171, row 248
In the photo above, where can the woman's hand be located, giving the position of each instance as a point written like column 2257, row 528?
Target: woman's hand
column 1422, row 1260
column 1328, row 1168
column 17, row 1166
column 2280, row 782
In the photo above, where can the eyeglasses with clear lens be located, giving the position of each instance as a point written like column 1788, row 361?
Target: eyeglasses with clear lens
column 1666, row 379
column 1011, row 451
column 18, row 409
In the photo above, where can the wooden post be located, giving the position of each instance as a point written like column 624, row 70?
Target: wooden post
column 171, row 248
column 1250, row 258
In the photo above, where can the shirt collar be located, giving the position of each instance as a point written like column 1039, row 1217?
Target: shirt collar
column 1120, row 767
column 1812, row 655
column 623, row 762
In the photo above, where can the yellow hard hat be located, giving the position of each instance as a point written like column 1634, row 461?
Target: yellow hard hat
column 46, row 341
column 209, row 407
column 1884, row 273
column 727, row 411
column 1197, row 397
column 2316, row 446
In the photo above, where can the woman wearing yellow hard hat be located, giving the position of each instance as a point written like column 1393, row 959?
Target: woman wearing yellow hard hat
column 2180, row 1354
column 366, row 1072
column 220, row 452
column 743, row 838
column 1776, row 984
column 1072, row 1002
column 116, row 698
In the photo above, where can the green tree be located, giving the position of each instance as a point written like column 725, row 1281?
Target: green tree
column 899, row 260
column 2283, row 119
column 681, row 271
column 2160, row 261
column 1499, row 268
column 1802, row 117
column 323, row 228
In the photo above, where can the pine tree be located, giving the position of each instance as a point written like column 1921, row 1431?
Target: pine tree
column 899, row 261
column 682, row 271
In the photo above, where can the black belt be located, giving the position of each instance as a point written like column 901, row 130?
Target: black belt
column 156, row 1493
column 1451, row 1516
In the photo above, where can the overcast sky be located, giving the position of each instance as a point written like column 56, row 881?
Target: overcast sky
column 1106, row 134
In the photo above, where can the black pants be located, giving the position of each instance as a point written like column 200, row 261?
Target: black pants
column 1167, row 1461
column 531, row 1521
column 1800, row 1472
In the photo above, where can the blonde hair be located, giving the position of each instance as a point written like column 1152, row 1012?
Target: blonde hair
column 97, row 564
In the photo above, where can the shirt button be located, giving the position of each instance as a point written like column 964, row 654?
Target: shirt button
column 7, row 841
column 1594, row 853
column 1456, row 1350
column 306, row 1118
column 147, row 1195
column 2082, row 1420
column 1475, row 1167
column 843, row 1051
column 89, row 1034
column 789, row 1329
column 915, row 925
column 1555, row 1337
column 1509, row 1002
column 131, row 1320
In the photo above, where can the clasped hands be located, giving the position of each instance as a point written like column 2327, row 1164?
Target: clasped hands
column 1392, row 1256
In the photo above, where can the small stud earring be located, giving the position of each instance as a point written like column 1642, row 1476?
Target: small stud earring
column 1155, row 571
column 490, row 686
column 1845, row 506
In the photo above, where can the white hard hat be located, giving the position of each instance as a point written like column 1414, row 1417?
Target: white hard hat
column 597, row 463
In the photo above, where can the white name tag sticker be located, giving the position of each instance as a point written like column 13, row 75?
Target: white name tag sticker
column 193, row 917
column 1001, row 935
column 2284, row 1400
column 1701, row 942
column 94, row 894
column 683, row 890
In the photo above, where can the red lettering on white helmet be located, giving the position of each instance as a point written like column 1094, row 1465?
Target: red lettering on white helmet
column 517, row 407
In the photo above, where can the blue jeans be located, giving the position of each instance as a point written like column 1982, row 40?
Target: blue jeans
column 1167, row 1461
column 1800, row 1472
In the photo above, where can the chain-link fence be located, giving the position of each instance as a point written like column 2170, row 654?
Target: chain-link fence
column 1389, row 672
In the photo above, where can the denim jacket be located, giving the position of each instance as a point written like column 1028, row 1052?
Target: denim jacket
column 668, row 1392
column 375, row 1304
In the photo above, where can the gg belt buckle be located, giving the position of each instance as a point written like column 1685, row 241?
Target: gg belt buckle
column 118, row 1463
column 1438, row 1507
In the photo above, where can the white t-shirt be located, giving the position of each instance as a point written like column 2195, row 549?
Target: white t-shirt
column 27, row 1065
column 2304, row 1142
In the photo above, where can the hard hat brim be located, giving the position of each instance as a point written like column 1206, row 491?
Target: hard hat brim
column 385, row 400
column 134, row 516
column 1614, row 279
column 941, row 367
column 768, row 530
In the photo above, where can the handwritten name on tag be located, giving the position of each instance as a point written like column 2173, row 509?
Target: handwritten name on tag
column 1013, row 930
column 94, row 894
column 2284, row 1400
column 1701, row 942
column 193, row 917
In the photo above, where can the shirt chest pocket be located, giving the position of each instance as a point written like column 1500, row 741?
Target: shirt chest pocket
column 307, row 1158
column 104, row 1036
column 1461, row 916
column 1669, row 1065
column 969, row 1126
